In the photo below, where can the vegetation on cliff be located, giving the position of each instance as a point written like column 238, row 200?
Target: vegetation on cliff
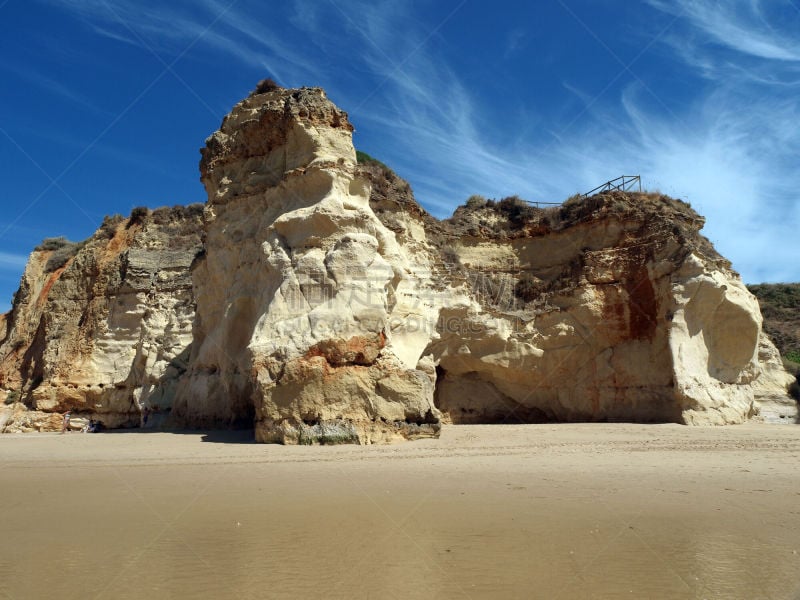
column 365, row 159
column 72, row 294
column 515, row 217
column 62, row 250
column 780, row 307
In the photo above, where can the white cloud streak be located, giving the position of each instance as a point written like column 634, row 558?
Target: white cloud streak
column 741, row 25
column 13, row 262
column 168, row 29
column 731, row 152
column 49, row 85
column 739, row 159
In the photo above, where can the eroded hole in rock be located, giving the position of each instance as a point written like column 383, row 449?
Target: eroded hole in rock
column 470, row 398
column 244, row 417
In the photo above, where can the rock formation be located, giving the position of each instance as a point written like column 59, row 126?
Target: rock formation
column 304, row 298
column 325, row 305
column 103, row 327
column 622, row 311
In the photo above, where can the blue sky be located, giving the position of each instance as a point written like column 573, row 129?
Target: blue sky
column 105, row 104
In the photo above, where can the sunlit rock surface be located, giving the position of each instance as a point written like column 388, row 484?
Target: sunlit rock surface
column 316, row 300
column 103, row 328
column 307, row 305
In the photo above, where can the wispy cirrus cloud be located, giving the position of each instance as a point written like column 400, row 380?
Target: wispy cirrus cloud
column 49, row 85
column 738, row 43
column 13, row 262
column 417, row 100
column 729, row 147
column 168, row 29
column 730, row 151
column 745, row 122
column 747, row 26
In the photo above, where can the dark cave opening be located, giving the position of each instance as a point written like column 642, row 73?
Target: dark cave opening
column 472, row 399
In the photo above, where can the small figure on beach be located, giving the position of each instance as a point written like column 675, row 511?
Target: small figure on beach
column 145, row 415
column 65, row 423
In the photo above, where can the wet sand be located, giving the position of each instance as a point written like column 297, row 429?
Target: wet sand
column 536, row 511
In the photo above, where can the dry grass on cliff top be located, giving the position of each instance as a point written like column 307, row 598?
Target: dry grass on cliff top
column 176, row 222
column 512, row 213
column 513, row 217
column 61, row 251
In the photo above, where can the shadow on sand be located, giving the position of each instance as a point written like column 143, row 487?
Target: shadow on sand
column 236, row 436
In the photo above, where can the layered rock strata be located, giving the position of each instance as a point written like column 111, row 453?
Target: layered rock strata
column 317, row 300
column 102, row 328
column 607, row 308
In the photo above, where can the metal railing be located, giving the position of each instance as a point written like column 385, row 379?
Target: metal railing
column 625, row 183
column 540, row 204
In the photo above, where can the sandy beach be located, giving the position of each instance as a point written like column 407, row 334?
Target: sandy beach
column 535, row 511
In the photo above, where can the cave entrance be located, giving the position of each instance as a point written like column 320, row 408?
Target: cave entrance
column 472, row 399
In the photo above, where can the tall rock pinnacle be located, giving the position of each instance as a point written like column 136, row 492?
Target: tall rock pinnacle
column 304, row 297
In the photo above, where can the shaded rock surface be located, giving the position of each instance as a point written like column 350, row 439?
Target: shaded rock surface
column 105, row 334
column 317, row 300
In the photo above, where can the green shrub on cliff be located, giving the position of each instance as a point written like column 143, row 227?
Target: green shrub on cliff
column 62, row 256
column 516, row 209
column 365, row 159
column 779, row 295
column 780, row 307
column 53, row 243
column 62, row 251
column 109, row 226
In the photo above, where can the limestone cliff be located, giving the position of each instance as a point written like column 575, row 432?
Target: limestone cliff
column 317, row 300
column 102, row 328
column 303, row 296
column 606, row 308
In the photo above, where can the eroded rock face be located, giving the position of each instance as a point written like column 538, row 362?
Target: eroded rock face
column 772, row 403
column 608, row 308
column 304, row 297
column 324, row 305
column 105, row 330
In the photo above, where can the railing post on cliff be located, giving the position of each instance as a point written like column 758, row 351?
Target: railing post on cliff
column 624, row 185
